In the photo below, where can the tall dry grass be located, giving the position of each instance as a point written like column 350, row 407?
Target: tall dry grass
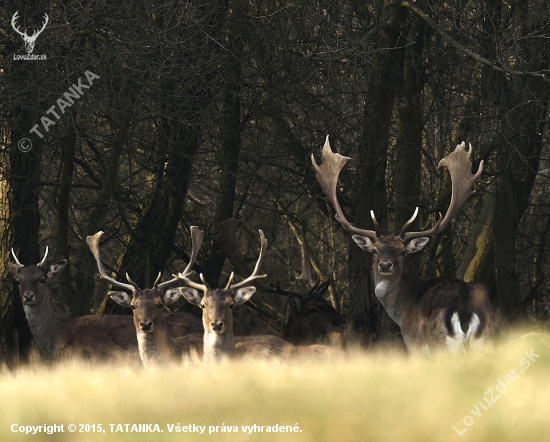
column 358, row 397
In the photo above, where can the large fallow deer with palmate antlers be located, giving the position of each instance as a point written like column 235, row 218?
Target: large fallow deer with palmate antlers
column 157, row 337
column 63, row 336
column 433, row 313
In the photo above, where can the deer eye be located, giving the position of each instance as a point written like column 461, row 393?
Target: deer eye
column 403, row 253
column 42, row 280
column 312, row 310
column 232, row 305
column 160, row 306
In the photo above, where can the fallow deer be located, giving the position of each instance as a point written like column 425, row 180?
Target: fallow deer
column 433, row 313
column 312, row 319
column 157, row 340
column 217, row 309
column 88, row 335
column 58, row 335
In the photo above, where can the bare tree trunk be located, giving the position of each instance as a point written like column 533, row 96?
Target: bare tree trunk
column 76, row 303
column 370, row 179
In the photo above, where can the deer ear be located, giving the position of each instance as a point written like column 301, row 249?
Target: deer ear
column 56, row 268
column 121, row 298
column 191, row 295
column 243, row 295
column 171, row 296
column 364, row 242
column 14, row 269
column 417, row 244
column 295, row 303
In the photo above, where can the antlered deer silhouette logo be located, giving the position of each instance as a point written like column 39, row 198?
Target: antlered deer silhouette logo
column 28, row 39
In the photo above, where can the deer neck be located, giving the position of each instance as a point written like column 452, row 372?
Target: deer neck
column 217, row 345
column 394, row 294
column 45, row 324
column 154, row 346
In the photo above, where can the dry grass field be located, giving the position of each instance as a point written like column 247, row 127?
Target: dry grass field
column 498, row 394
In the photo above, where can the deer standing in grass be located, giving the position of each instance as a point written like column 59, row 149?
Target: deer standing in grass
column 217, row 309
column 88, row 335
column 156, row 339
column 434, row 313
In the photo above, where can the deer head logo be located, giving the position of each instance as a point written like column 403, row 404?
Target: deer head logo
column 28, row 39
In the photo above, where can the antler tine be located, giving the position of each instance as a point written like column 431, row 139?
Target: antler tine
column 15, row 258
column 228, row 285
column 155, row 285
column 307, row 273
column 254, row 275
column 131, row 282
column 376, row 225
column 408, row 223
column 459, row 164
column 93, row 244
column 327, row 176
column 43, row 259
column 197, row 238
column 204, row 281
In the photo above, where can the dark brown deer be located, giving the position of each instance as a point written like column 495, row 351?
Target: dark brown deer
column 217, row 310
column 157, row 336
column 312, row 318
column 60, row 336
column 434, row 313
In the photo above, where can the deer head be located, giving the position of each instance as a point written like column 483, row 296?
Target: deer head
column 146, row 303
column 33, row 279
column 29, row 40
column 218, row 304
column 390, row 251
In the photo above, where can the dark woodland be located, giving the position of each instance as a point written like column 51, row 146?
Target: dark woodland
column 193, row 113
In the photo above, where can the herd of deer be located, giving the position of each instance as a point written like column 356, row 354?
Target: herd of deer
column 440, row 312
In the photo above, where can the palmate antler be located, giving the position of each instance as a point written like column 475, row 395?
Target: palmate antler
column 327, row 176
column 459, row 165
column 457, row 162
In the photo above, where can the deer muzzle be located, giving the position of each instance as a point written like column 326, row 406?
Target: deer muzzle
column 146, row 326
column 218, row 327
column 29, row 298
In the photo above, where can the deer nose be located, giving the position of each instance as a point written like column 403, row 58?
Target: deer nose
column 29, row 297
column 146, row 326
column 217, row 326
column 385, row 266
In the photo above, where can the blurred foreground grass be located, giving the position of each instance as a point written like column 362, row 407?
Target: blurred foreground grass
column 358, row 397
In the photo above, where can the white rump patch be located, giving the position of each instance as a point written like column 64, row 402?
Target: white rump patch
column 456, row 343
column 474, row 325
